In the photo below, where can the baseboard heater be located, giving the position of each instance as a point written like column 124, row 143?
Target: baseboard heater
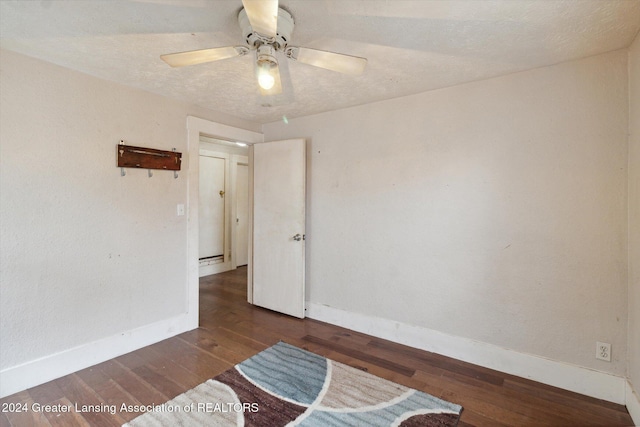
column 215, row 259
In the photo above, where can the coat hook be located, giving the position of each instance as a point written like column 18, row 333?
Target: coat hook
column 122, row 172
column 175, row 173
column 150, row 173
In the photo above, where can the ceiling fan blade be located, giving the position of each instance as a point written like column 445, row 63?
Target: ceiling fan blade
column 193, row 57
column 339, row 62
column 263, row 16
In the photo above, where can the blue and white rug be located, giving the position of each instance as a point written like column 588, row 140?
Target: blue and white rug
column 285, row 385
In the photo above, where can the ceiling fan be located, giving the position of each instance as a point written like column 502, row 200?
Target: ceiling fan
column 267, row 29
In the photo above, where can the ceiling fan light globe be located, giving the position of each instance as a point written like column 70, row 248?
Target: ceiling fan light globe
column 266, row 80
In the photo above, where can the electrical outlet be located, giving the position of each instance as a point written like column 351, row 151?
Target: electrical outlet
column 603, row 351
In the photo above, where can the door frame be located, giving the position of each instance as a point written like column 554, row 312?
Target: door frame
column 238, row 160
column 196, row 127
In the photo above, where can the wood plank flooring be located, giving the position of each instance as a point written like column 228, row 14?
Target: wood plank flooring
column 232, row 330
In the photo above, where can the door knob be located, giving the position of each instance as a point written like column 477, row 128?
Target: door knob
column 297, row 237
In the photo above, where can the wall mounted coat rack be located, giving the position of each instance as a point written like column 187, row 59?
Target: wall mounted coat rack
column 147, row 158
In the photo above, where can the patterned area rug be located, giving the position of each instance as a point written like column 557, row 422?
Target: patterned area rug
column 285, row 385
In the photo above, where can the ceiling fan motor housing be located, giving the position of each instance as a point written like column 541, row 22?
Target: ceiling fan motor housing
column 266, row 57
column 254, row 39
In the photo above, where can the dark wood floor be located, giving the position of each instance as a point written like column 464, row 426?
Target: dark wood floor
column 232, row 330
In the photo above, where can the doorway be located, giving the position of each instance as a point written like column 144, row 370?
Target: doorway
column 198, row 128
column 223, row 205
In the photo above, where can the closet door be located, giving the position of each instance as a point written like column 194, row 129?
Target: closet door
column 212, row 208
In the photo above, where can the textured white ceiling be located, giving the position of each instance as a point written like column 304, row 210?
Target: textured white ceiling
column 412, row 46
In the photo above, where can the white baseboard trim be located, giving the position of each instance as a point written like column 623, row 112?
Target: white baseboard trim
column 40, row 371
column 581, row 380
column 633, row 403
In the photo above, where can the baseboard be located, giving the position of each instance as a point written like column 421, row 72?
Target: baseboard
column 633, row 403
column 39, row 371
column 578, row 379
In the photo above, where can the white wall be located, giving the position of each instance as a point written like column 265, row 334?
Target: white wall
column 85, row 253
column 634, row 219
column 494, row 211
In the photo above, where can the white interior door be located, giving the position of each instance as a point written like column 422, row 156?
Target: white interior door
column 277, row 268
column 242, row 215
column 211, row 207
